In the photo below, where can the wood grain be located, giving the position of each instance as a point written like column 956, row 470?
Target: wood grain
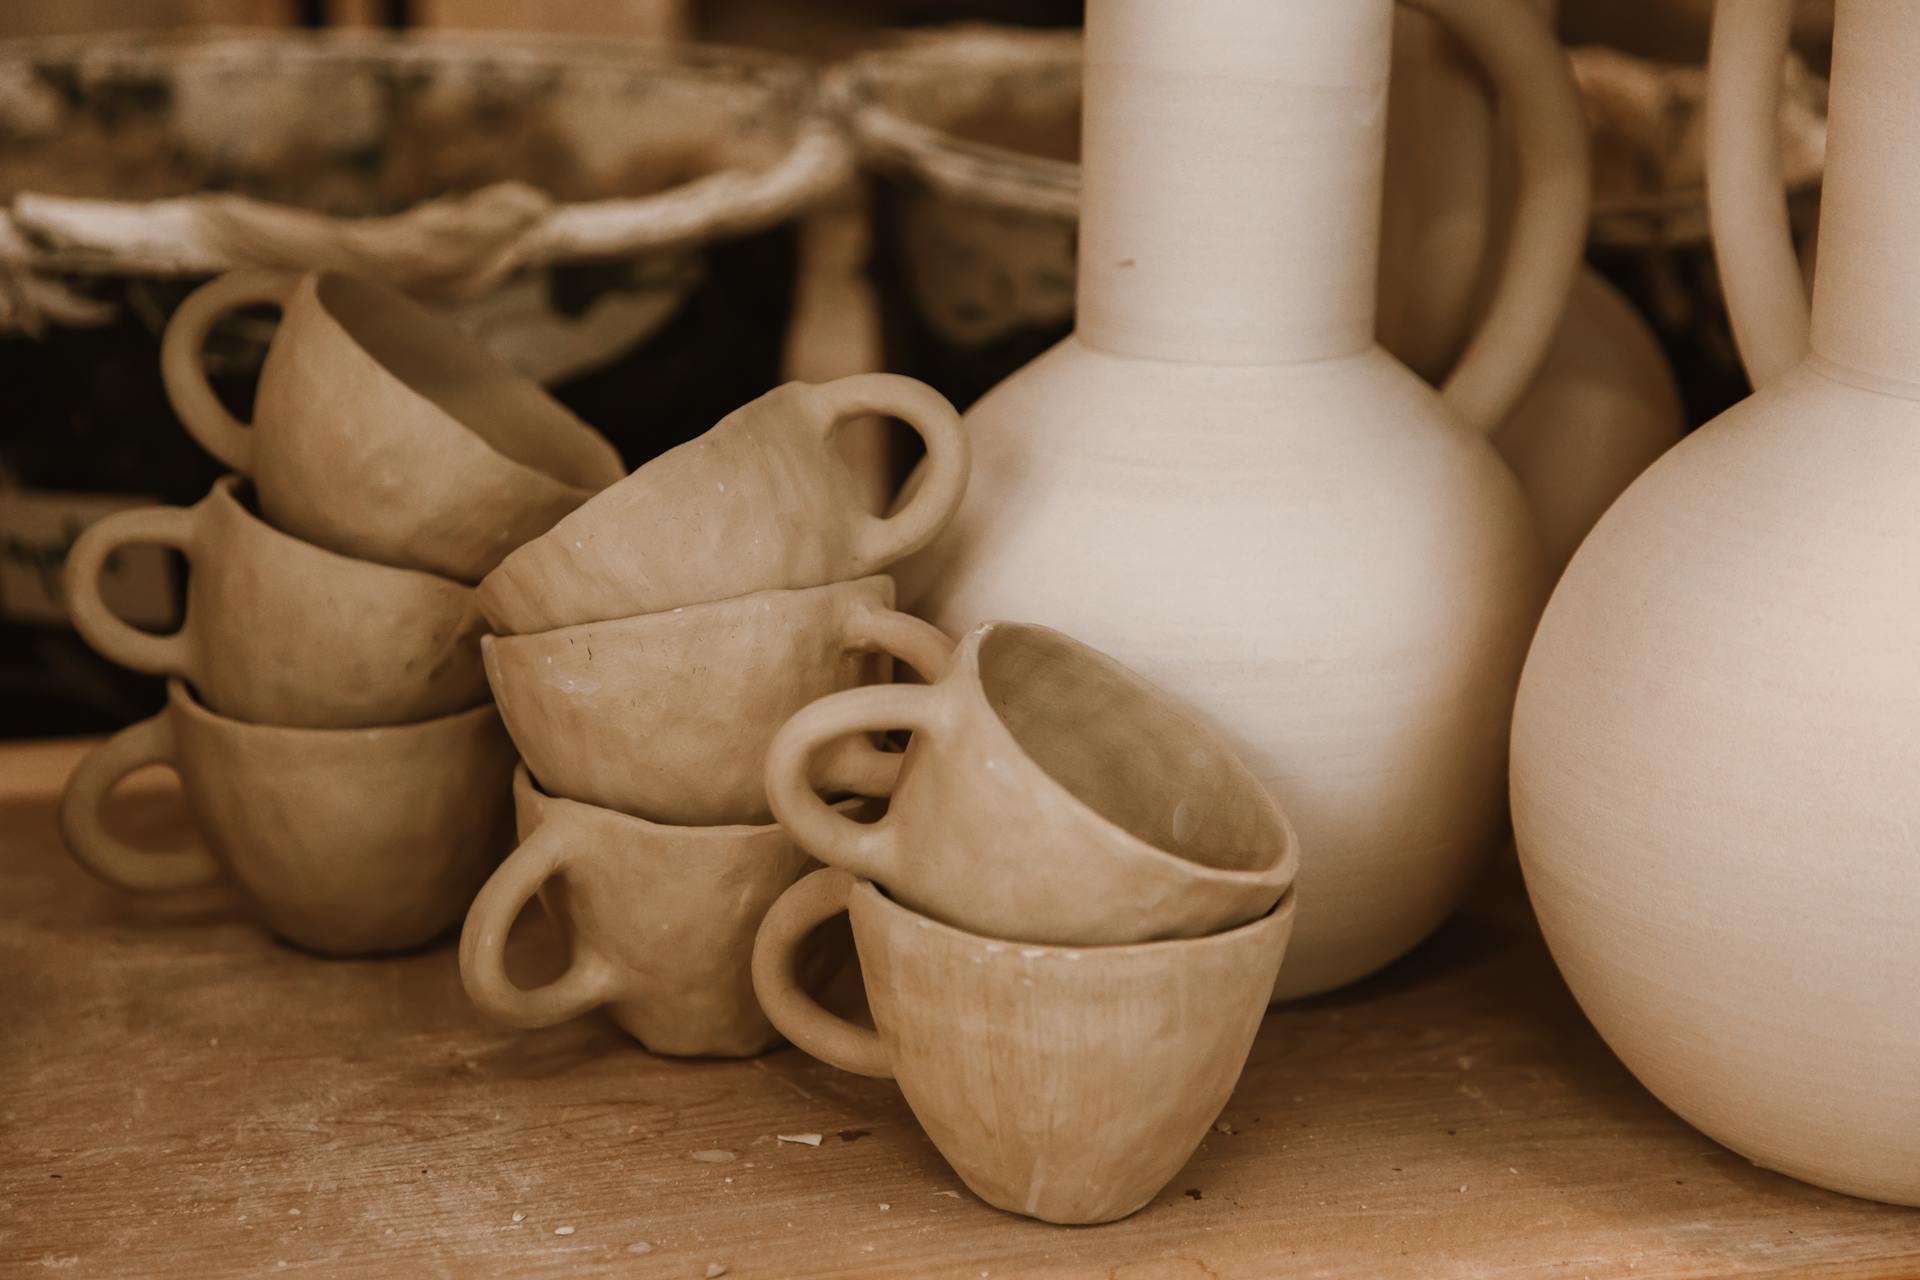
column 181, row 1096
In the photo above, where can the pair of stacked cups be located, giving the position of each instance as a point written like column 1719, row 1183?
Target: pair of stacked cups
column 326, row 710
column 647, row 649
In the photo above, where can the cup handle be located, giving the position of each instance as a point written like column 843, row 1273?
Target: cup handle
column 794, row 1013
column 860, row 768
column 116, row 640
column 877, row 541
column 99, row 850
column 590, row 979
column 183, row 359
column 867, row 849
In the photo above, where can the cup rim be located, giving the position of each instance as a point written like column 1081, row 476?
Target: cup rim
column 1271, row 918
column 659, row 617
column 226, row 493
column 523, row 779
column 1284, row 869
column 182, row 697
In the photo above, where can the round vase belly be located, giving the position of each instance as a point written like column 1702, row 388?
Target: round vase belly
column 1716, row 757
column 1318, row 558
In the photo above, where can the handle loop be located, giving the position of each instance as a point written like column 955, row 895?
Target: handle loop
column 867, row 849
column 111, row 636
column 879, row 541
column 795, row 1014
column 1747, row 188
column 857, row 767
column 183, row 359
column 1552, row 201
column 590, row 980
column 84, row 828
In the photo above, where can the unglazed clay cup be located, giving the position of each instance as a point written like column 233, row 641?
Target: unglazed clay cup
column 661, row 921
column 1066, row 1084
column 668, row 716
column 1048, row 795
column 346, row 841
column 382, row 431
column 762, row 501
column 281, row 632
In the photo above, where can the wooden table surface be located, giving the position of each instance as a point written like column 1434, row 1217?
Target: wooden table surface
column 182, row 1096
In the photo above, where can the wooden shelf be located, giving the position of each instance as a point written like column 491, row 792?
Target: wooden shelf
column 182, row 1096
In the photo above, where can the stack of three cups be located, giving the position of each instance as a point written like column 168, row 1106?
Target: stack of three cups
column 327, row 712
column 647, row 649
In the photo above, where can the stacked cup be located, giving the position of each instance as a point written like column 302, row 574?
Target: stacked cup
column 648, row 648
column 326, row 710
column 1069, row 920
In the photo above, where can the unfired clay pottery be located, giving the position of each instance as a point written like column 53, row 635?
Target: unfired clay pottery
column 662, row 921
column 1221, row 480
column 1066, row 1085
column 380, row 430
column 1048, row 795
column 347, row 841
column 762, row 501
column 281, row 632
column 667, row 716
column 1715, row 746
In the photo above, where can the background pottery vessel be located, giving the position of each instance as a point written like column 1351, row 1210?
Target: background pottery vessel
column 1064, row 1084
column 1223, row 482
column 1715, row 745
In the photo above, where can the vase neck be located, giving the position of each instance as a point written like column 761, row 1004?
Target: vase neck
column 1866, row 297
column 1231, row 165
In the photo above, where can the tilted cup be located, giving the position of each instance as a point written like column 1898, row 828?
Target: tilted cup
column 661, row 921
column 762, row 501
column 281, row 632
column 1049, row 795
column 346, row 841
column 667, row 716
column 1064, row 1084
column 380, row 430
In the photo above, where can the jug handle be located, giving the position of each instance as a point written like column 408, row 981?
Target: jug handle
column 1552, row 200
column 1746, row 187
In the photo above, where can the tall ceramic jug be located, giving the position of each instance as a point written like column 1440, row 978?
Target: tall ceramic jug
column 1716, row 749
column 1220, row 478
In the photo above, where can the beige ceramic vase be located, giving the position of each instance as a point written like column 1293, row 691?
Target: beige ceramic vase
column 1715, row 747
column 1223, row 482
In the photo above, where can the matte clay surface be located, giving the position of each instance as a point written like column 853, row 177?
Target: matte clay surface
column 1714, row 749
column 347, row 841
column 667, row 716
column 281, row 632
column 408, row 1129
column 762, row 501
column 1048, row 795
column 1221, row 480
column 380, row 430
column 1065, row 1084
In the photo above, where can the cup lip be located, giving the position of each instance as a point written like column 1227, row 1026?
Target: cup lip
column 636, row 622
column 1272, row 918
column 182, row 698
column 1283, row 870
column 523, row 780
column 225, row 494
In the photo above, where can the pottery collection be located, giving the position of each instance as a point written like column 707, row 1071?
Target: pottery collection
column 1243, row 602
column 1714, row 745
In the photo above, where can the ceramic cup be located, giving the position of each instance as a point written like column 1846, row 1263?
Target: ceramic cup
column 382, row 431
column 346, row 841
column 1048, row 794
column 761, row 501
column 668, row 715
column 661, row 921
column 281, row 632
column 1065, row 1084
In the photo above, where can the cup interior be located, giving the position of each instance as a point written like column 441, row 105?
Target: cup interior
column 434, row 359
column 1127, row 752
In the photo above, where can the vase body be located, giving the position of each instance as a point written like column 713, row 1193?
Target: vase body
column 1221, row 480
column 1718, row 731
